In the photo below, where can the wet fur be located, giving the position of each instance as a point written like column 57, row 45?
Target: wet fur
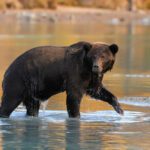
column 45, row 71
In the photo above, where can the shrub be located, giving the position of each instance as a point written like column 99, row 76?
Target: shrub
column 110, row 4
column 15, row 4
column 69, row 2
column 30, row 4
column 145, row 4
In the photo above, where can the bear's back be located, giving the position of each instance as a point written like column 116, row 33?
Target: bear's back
column 33, row 58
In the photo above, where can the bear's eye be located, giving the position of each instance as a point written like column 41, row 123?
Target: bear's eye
column 108, row 66
column 102, row 56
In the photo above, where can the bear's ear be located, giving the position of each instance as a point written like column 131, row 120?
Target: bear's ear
column 81, row 46
column 113, row 48
column 86, row 47
column 80, row 49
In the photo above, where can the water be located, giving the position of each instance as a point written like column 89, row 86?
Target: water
column 95, row 130
column 99, row 126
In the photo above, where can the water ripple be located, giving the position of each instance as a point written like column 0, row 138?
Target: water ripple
column 98, row 116
column 132, row 75
column 136, row 101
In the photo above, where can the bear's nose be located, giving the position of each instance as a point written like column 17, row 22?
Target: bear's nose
column 95, row 68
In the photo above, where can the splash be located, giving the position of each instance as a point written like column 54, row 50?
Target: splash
column 98, row 116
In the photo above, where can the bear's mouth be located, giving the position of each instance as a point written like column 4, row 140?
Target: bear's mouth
column 107, row 67
column 97, row 74
column 96, row 70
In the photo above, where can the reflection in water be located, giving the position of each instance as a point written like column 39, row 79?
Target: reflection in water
column 47, row 132
column 72, row 134
column 86, row 136
column 129, row 53
column 32, row 134
column 25, row 134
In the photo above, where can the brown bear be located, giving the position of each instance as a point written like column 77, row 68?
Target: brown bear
column 44, row 71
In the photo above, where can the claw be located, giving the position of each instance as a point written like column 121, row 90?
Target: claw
column 118, row 109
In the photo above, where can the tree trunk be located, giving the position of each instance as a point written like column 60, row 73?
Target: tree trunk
column 131, row 5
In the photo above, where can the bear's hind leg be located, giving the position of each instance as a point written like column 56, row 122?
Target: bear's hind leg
column 32, row 107
column 8, row 105
column 73, row 104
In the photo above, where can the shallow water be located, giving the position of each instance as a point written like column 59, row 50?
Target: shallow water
column 99, row 126
column 94, row 130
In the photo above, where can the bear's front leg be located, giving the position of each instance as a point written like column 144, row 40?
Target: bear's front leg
column 105, row 95
column 73, row 103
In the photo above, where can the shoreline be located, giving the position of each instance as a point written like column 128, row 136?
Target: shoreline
column 77, row 14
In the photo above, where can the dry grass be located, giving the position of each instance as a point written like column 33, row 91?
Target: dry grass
column 114, row 4
column 30, row 4
column 27, row 4
column 143, row 4
column 110, row 4
column 69, row 2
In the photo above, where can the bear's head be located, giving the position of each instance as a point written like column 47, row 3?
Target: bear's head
column 102, row 57
column 99, row 57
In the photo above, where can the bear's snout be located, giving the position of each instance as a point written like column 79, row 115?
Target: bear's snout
column 97, row 68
